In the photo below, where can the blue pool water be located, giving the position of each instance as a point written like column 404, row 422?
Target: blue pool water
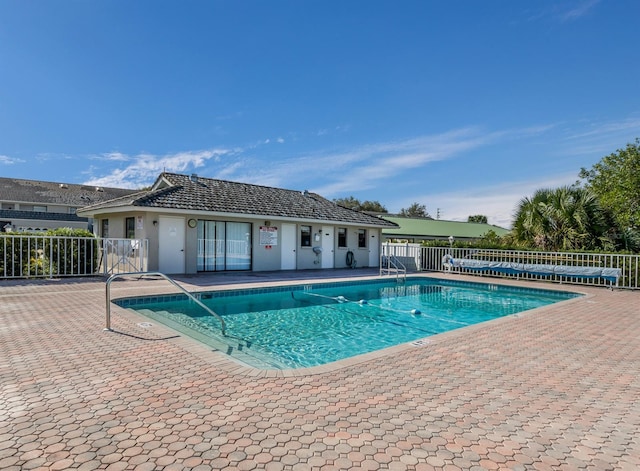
column 309, row 325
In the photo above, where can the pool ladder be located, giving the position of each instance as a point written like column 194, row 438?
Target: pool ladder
column 223, row 326
column 390, row 264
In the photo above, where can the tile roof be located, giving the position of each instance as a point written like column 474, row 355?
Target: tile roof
column 66, row 194
column 13, row 214
column 182, row 192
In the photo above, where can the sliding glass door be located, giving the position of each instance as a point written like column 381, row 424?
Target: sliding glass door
column 224, row 245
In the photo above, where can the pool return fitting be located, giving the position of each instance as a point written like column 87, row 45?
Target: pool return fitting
column 223, row 326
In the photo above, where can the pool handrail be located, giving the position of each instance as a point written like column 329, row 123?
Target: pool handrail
column 173, row 282
column 390, row 263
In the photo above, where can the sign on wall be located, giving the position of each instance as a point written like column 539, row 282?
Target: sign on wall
column 268, row 235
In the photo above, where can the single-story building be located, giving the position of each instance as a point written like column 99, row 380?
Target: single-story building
column 195, row 224
column 34, row 206
column 419, row 229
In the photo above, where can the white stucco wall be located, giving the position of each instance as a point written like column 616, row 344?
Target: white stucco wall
column 263, row 257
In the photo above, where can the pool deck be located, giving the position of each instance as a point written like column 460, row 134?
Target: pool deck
column 555, row 388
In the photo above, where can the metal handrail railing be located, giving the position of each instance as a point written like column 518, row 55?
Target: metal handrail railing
column 399, row 269
column 392, row 260
column 140, row 274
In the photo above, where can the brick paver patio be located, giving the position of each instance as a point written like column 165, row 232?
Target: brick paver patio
column 555, row 388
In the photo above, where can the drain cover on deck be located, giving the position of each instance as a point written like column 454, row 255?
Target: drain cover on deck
column 420, row 343
column 145, row 325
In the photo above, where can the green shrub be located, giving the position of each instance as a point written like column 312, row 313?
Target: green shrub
column 57, row 252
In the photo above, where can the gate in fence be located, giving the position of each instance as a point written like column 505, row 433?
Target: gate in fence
column 123, row 256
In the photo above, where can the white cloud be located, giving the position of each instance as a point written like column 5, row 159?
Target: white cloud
column 280, row 140
column 597, row 139
column 371, row 164
column 6, row 160
column 227, row 172
column 116, row 156
column 144, row 168
column 608, row 129
column 368, row 166
column 560, row 12
column 391, row 171
column 497, row 202
column 580, row 10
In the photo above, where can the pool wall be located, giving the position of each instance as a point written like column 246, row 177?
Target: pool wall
column 130, row 302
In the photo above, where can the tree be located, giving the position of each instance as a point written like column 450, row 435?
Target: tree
column 416, row 210
column 373, row 206
column 616, row 181
column 478, row 218
column 349, row 202
column 565, row 218
column 356, row 205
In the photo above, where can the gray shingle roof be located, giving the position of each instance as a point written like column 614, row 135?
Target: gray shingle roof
column 13, row 214
column 66, row 194
column 176, row 191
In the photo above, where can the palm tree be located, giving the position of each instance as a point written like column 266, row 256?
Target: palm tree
column 565, row 218
column 530, row 222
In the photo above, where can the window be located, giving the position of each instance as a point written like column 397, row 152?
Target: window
column 72, row 210
column 305, row 236
column 39, row 209
column 362, row 238
column 104, row 228
column 130, row 228
column 342, row 236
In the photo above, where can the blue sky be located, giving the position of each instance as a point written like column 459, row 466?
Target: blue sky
column 463, row 106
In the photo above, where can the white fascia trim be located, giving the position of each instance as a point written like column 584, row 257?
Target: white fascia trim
column 162, row 183
column 221, row 215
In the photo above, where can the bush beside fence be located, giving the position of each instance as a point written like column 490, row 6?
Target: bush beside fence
column 36, row 256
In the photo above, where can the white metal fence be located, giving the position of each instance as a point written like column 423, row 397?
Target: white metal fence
column 41, row 256
column 432, row 259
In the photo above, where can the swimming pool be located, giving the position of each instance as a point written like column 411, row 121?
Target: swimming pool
column 314, row 324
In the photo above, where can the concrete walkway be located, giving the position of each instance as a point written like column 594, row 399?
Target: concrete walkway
column 554, row 388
